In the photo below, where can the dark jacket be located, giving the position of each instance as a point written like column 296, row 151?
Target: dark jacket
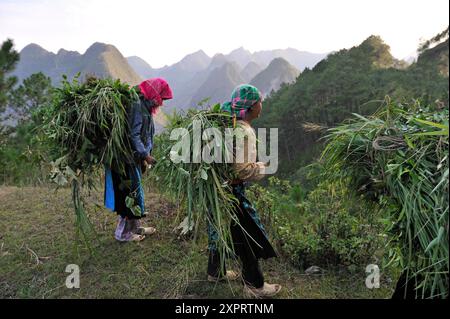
column 142, row 128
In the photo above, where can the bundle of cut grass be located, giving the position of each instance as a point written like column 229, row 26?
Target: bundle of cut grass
column 202, row 185
column 87, row 125
column 399, row 156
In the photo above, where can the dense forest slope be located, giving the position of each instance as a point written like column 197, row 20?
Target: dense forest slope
column 350, row 80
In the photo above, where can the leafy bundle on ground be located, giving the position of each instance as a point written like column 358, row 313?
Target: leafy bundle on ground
column 399, row 157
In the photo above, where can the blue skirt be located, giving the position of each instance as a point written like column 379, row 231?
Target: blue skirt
column 124, row 193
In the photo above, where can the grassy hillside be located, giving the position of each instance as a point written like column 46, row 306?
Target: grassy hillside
column 37, row 243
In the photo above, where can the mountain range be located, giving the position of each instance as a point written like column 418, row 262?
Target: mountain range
column 198, row 76
column 328, row 80
column 101, row 60
column 195, row 77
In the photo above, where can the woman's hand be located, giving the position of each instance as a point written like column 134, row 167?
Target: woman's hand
column 236, row 181
column 143, row 166
column 150, row 160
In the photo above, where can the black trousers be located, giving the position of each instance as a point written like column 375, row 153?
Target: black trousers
column 251, row 270
column 249, row 240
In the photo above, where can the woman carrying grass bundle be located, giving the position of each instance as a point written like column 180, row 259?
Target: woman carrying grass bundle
column 250, row 240
column 123, row 190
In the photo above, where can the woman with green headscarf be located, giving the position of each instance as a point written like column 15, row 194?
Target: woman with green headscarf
column 250, row 240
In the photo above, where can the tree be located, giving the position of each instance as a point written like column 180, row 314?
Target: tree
column 436, row 39
column 20, row 147
column 34, row 92
column 8, row 60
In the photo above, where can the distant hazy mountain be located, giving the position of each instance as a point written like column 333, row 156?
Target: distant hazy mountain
column 34, row 59
column 186, row 68
column 102, row 60
column 141, row 67
column 219, row 84
column 299, row 59
column 187, row 86
column 217, row 61
column 279, row 71
column 411, row 58
column 241, row 56
column 250, row 71
column 193, row 62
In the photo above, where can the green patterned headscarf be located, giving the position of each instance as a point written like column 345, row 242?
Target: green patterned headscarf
column 243, row 98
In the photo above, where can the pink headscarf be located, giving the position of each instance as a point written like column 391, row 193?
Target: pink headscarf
column 156, row 89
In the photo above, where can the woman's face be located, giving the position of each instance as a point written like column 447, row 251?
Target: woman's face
column 256, row 109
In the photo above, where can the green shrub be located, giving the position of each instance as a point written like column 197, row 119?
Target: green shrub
column 329, row 226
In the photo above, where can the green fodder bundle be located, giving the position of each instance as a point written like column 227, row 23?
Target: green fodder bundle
column 203, row 187
column 87, row 125
column 399, row 156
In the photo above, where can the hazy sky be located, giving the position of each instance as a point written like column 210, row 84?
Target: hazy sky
column 164, row 31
